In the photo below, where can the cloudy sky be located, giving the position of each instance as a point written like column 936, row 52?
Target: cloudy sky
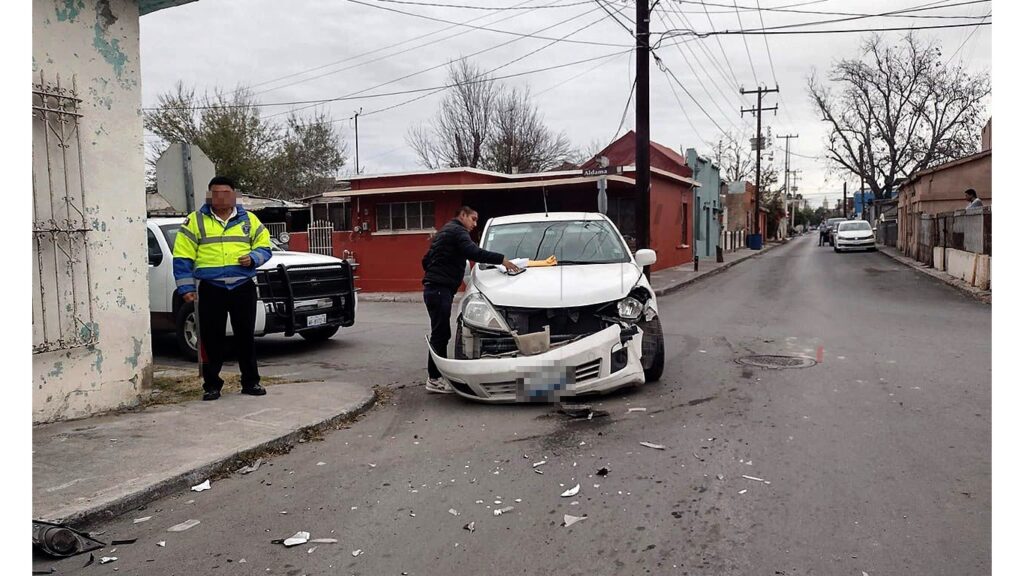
column 303, row 50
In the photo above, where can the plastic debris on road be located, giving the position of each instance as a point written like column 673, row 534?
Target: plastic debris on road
column 471, row 527
column 569, row 520
column 201, row 487
column 504, row 510
column 140, row 520
column 108, row 559
column 541, row 463
column 638, row 409
column 453, row 511
column 299, row 538
column 324, row 541
column 310, row 551
column 571, row 492
column 250, row 469
column 161, row 543
column 321, row 463
column 356, row 553
column 603, row 471
column 653, row 445
column 754, row 478
column 744, row 491
column 183, row 526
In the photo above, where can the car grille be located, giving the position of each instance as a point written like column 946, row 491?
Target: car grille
column 306, row 283
column 500, row 388
column 496, row 345
column 588, row 371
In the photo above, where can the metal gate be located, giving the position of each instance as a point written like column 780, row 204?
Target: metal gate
column 276, row 228
column 62, row 302
column 320, row 241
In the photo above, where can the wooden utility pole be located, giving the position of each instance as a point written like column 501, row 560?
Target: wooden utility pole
column 643, row 126
column 758, row 145
column 357, row 140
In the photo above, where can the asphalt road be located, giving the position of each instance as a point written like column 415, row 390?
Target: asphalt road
column 876, row 460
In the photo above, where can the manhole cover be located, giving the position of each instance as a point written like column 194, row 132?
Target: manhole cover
column 776, row 361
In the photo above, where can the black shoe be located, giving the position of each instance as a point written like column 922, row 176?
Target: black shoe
column 211, row 395
column 256, row 390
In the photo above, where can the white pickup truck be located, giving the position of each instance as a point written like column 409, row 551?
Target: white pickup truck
column 308, row 294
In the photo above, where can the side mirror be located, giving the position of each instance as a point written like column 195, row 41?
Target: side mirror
column 646, row 257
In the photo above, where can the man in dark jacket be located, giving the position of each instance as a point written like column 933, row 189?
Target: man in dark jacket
column 444, row 265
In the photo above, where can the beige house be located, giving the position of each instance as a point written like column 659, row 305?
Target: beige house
column 90, row 307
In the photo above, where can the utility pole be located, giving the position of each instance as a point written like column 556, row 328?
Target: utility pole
column 758, row 144
column 844, row 200
column 789, row 206
column 793, row 187
column 643, row 126
column 357, row 140
column 860, row 150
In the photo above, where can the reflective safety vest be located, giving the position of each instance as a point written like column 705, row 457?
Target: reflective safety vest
column 207, row 250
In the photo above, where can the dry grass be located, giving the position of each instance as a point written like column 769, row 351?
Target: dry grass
column 177, row 386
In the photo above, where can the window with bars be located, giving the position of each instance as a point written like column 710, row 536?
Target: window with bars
column 403, row 216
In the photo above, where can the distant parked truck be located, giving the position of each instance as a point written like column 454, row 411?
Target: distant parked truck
column 308, row 294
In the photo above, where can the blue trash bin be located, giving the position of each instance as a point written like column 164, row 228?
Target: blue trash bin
column 754, row 242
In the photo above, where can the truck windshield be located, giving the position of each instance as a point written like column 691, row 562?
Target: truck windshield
column 570, row 241
column 171, row 232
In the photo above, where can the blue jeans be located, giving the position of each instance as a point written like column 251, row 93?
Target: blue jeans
column 439, row 307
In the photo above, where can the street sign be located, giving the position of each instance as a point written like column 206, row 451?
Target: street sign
column 603, row 171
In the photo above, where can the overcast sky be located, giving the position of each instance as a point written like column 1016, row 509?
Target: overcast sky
column 316, row 49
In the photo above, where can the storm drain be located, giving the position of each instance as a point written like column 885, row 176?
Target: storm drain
column 777, row 362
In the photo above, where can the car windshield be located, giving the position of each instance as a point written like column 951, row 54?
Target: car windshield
column 171, row 232
column 570, row 241
column 856, row 225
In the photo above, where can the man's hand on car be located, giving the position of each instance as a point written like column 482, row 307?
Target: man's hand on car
column 189, row 297
column 510, row 266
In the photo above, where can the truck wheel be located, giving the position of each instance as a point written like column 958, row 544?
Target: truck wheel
column 653, row 350
column 319, row 334
column 186, row 331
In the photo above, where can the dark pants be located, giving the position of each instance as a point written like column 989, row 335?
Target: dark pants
column 215, row 304
column 439, row 306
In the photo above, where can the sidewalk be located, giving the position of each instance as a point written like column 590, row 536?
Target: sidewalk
column 972, row 291
column 664, row 281
column 96, row 468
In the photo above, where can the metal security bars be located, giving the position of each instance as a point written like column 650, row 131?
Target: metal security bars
column 62, row 303
column 321, row 240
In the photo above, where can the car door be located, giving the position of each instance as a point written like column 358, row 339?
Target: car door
column 161, row 281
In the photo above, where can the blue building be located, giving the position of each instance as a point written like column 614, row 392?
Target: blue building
column 706, row 205
column 860, row 199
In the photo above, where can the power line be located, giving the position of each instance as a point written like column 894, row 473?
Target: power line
column 584, row 73
column 771, row 63
column 470, row 7
column 665, row 68
column 824, row 12
column 683, row 108
column 747, row 46
column 731, row 9
column 853, row 30
column 619, row 22
column 625, row 109
column 719, row 40
column 969, row 36
column 497, row 30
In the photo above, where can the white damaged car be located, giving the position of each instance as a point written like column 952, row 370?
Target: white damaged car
column 587, row 324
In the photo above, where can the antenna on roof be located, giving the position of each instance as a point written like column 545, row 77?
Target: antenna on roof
column 545, row 192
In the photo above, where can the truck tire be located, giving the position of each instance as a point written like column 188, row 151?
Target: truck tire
column 319, row 334
column 186, row 331
column 653, row 350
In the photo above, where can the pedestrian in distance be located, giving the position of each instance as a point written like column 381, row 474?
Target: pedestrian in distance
column 444, row 265
column 972, row 199
column 216, row 253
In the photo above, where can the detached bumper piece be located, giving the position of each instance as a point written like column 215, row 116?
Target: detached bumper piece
column 598, row 363
column 304, row 296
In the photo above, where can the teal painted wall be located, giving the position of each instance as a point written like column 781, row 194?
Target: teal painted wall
column 707, row 207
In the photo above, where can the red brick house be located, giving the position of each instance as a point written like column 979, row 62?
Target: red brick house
column 739, row 206
column 388, row 219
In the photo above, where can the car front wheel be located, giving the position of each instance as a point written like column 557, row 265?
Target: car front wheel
column 652, row 350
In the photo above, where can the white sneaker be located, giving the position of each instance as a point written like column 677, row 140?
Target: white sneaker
column 438, row 386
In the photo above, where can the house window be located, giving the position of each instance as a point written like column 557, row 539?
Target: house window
column 685, row 225
column 401, row 216
column 337, row 213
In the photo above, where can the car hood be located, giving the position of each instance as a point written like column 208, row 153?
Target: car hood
column 295, row 258
column 558, row 286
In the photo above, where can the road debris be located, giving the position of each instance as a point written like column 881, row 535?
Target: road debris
column 697, row 457
column 299, row 538
column 310, row 551
column 571, row 492
column 581, row 412
column 453, row 511
column 653, row 445
column 59, row 541
column 538, row 471
column 637, row 409
column 504, row 510
column 603, row 471
column 324, row 541
column 471, row 527
column 569, row 520
column 108, row 559
column 162, row 543
column 755, row 479
column 321, row 463
column 183, row 526
column 356, row 553
column 201, row 487
column 140, row 520
column 541, row 463
column 744, row 491
column 252, row 468
column 720, row 477
column 126, row 541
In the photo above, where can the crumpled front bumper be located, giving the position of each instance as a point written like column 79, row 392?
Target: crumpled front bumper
column 595, row 364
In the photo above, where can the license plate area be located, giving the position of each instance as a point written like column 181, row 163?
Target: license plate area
column 316, row 320
column 543, row 383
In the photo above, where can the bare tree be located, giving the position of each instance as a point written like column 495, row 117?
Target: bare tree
column 736, row 162
column 519, row 140
column 903, row 106
column 457, row 133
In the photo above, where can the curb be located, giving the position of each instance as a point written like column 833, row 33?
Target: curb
column 223, row 465
column 659, row 292
column 976, row 293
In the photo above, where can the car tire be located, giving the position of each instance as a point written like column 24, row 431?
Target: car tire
column 185, row 331
column 319, row 334
column 835, row 249
column 654, row 341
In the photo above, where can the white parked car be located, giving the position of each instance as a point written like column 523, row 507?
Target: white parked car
column 586, row 325
column 308, row 294
column 854, row 235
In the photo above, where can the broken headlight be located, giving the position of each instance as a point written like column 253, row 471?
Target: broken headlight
column 630, row 308
column 478, row 313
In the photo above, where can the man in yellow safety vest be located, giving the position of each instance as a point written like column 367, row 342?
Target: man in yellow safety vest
column 219, row 247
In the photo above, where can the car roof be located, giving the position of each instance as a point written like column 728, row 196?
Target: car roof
column 548, row 217
column 162, row 221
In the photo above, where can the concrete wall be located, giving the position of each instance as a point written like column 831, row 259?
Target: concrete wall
column 707, row 204
column 97, row 41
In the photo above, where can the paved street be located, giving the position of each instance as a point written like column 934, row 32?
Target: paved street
column 876, row 460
